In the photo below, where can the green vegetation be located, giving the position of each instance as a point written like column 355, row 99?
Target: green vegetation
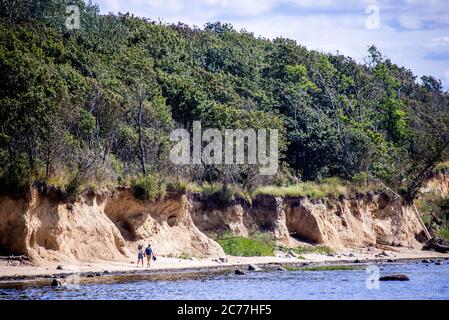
column 443, row 231
column 257, row 245
column 327, row 187
column 219, row 196
column 94, row 107
column 324, row 268
column 305, row 250
column 185, row 256
column 313, row 249
column 148, row 188
column 435, row 213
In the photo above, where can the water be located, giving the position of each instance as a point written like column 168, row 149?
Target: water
column 426, row 282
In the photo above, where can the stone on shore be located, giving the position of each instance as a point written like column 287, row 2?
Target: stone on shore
column 239, row 272
column 57, row 283
column 394, row 277
column 59, row 267
column 281, row 269
column 253, row 267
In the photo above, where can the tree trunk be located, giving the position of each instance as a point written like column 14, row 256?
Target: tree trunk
column 140, row 140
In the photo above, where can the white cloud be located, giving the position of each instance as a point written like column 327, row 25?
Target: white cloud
column 411, row 21
column 439, row 42
column 316, row 25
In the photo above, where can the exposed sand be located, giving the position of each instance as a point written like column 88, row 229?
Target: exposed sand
column 10, row 272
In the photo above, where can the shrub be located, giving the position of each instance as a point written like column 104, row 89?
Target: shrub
column 148, row 188
column 443, row 231
column 255, row 246
column 221, row 197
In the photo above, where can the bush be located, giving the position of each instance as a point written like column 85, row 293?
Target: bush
column 444, row 205
column 177, row 187
column 334, row 187
column 443, row 230
column 148, row 188
column 256, row 246
column 222, row 197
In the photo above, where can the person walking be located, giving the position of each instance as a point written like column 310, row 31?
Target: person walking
column 149, row 253
column 140, row 254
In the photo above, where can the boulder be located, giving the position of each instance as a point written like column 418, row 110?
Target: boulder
column 59, row 267
column 253, row 267
column 56, row 283
column 281, row 269
column 223, row 259
column 239, row 272
column 439, row 263
column 394, row 277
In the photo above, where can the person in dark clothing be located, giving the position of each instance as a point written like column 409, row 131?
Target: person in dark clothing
column 149, row 253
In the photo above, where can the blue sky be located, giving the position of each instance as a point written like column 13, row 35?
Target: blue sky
column 412, row 33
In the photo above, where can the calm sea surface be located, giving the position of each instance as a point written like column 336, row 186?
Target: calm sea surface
column 426, row 282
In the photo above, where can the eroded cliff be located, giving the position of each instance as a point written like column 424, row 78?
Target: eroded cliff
column 108, row 225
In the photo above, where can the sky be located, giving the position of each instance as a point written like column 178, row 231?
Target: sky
column 412, row 33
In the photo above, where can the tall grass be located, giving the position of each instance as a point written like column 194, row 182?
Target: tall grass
column 334, row 187
column 257, row 245
column 443, row 231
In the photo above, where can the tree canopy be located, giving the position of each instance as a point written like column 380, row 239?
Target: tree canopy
column 99, row 103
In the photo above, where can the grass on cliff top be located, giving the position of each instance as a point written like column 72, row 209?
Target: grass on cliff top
column 257, row 245
column 334, row 187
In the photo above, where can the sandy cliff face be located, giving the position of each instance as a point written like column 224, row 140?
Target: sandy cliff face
column 166, row 224
column 109, row 225
column 97, row 227
column 353, row 222
column 45, row 228
column 336, row 223
column 265, row 214
column 439, row 183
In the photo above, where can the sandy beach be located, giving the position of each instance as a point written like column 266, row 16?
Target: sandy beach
column 11, row 271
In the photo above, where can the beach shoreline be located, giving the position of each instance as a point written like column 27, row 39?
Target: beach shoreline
column 10, row 274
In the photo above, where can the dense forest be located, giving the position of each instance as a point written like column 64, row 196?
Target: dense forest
column 94, row 107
